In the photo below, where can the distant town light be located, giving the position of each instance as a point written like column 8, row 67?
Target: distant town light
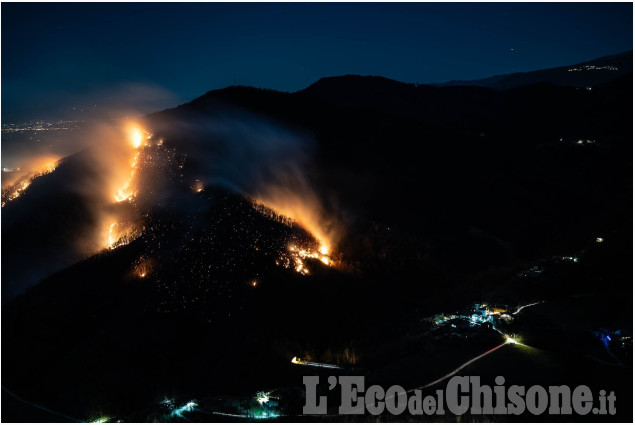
column 262, row 397
column 510, row 340
column 189, row 407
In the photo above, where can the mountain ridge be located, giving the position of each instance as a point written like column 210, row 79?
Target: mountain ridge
column 559, row 75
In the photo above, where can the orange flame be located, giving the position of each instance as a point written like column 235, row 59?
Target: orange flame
column 126, row 192
column 16, row 189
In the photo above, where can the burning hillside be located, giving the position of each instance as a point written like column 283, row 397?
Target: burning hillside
column 175, row 247
column 14, row 190
column 298, row 252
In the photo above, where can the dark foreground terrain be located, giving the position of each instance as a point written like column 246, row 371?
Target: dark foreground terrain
column 445, row 197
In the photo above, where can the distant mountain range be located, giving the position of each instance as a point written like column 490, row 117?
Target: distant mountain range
column 584, row 74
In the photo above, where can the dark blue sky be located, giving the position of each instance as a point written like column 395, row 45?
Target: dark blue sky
column 56, row 56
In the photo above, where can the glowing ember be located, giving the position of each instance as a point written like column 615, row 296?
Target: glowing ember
column 119, row 235
column 111, row 235
column 295, row 257
column 142, row 269
column 198, row 186
column 15, row 190
column 126, row 192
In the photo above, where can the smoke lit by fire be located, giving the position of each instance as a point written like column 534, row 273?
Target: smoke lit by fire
column 298, row 252
column 271, row 165
column 126, row 192
column 13, row 191
column 302, row 208
column 120, row 230
column 142, row 268
column 120, row 234
column 298, row 257
column 126, row 170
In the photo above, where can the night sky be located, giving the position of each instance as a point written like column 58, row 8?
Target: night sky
column 59, row 56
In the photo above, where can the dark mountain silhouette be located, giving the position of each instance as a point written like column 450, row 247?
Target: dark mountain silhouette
column 383, row 145
column 445, row 195
column 584, row 74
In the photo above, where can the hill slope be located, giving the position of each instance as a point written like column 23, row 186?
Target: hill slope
column 444, row 196
column 584, row 74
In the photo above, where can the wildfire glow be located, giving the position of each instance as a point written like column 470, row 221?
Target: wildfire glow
column 16, row 189
column 296, row 258
column 136, row 138
column 198, row 186
column 143, row 269
column 120, row 224
column 300, row 206
column 126, row 192
column 120, row 235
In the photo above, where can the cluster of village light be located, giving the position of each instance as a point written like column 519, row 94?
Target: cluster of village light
column 188, row 407
column 483, row 313
column 263, row 411
column 585, row 142
column 571, row 259
column 40, row 126
column 299, row 361
column 593, row 68
column 263, row 397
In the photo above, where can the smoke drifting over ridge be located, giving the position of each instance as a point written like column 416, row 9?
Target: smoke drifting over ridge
column 63, row 216
column 261, row 160
column 110, row 171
